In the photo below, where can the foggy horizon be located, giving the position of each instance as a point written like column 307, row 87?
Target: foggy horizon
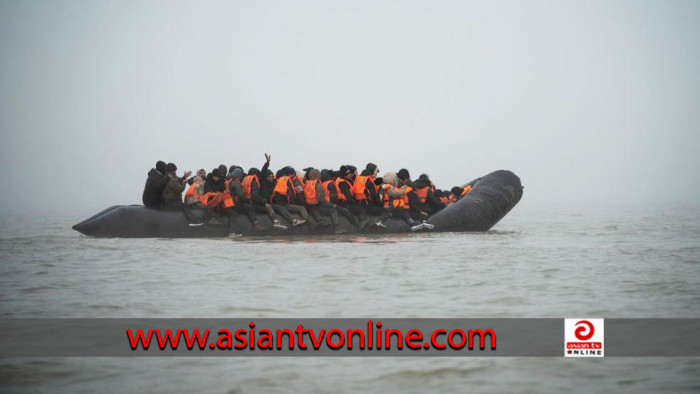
column 584, row 101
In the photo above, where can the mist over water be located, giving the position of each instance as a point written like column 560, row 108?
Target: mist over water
column 586, row 101
column 593, row 104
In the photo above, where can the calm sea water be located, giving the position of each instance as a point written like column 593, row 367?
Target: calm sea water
column 537, row 262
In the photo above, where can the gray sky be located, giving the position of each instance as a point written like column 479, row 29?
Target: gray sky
column 584, row 100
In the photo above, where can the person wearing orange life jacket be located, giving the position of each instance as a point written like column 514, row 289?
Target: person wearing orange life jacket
column 366, row 194
column 411, row 199
column 427, row 199
column 214, row 188
column 343, row 186
column 251, row 185
column 458, row 192
column 331, row 189
column 396, row 203
column 443, row 196
column 194, row 193
column 318, row 199
column 404, row 178
column 240, row 205
column 201, row 173
column 268, row 182
column 285, row 194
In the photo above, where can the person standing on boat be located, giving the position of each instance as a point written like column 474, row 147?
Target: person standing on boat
column 172, row 194
column 155, row 184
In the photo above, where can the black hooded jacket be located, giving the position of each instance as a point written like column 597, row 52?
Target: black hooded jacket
column 153, row 191
column 430, row 199
column 210, row 186
column 326, row 176
column 258, row 195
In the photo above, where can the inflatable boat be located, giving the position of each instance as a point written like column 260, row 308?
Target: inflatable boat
column 489, row 200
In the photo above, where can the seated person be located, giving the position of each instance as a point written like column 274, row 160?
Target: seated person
column 366, row 193
column 318, row 199
column 155, row 184
column 285, row 194
column 240, row 205
column 428, row 201
column 396, row 203
column 172, row 194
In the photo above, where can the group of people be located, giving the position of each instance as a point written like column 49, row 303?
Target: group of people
column 317, row 196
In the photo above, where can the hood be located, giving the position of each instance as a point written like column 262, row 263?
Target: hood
column 314, row 174
column 390, row 178
column 326, row 175
column 421, row 183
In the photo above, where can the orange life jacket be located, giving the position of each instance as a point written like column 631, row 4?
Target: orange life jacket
column 191, row 192
column 466, row 190
column 393, row 202
column 228, row 198
column 445, row 200
column 327, row 184
column 404, row 199
column 281, row 187
column 341, row 195
column 247, row 186
column 422, row 194
column 310, row 192
column 360, row 187
column 212, row 200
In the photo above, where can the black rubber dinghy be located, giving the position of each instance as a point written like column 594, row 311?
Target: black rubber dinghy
column 490, row 199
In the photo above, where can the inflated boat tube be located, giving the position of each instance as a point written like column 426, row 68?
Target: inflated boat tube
column 490, row 199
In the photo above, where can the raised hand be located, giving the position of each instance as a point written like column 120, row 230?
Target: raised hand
column 267, row 158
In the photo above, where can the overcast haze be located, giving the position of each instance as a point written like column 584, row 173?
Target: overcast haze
column 585, row 101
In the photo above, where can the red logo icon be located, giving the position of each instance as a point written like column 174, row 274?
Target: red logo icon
column 585, row 331
column 584, row 337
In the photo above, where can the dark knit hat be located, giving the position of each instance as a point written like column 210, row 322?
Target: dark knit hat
column 403, row 174
column 170, row 167
column 371, row 167
column 160, row 166
column 237, row 173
